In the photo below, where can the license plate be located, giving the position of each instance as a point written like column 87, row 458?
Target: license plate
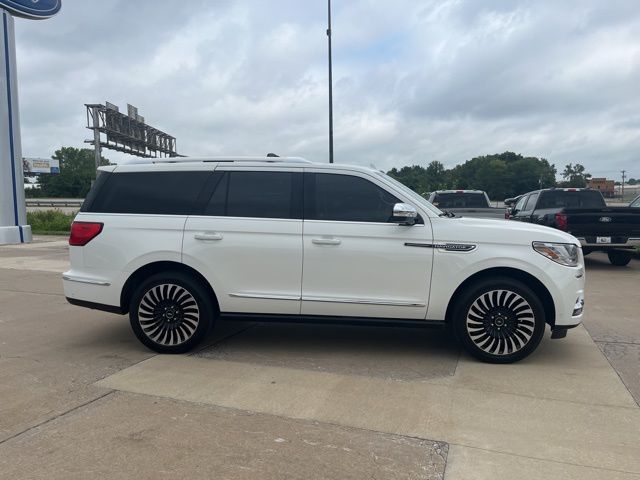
column 603, row 239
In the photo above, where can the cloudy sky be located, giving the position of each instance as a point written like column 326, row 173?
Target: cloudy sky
column 414, row 81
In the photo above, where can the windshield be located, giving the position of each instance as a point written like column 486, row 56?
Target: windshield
column 419, row 199
column 571, row 199
column 460, row 200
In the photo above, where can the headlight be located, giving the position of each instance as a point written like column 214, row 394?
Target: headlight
column 562, row 253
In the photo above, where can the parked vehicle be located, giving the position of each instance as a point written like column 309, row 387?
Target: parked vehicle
column 465, row 203
column 179, row 243
column 584, row 213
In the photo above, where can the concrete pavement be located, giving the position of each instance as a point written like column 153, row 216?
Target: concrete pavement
column 80, row 397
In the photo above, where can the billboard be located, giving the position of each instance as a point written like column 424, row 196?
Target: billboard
column 128, row 132
column 36, row 166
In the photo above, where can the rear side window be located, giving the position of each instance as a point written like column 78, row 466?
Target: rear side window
column 346, row 198
column 257, row 195
column 162, row 193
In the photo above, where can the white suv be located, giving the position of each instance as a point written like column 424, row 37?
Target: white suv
column 180, row 243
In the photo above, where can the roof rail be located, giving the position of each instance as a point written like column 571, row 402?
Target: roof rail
column 226, row 159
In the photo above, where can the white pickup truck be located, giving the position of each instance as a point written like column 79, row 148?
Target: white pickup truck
column 466, row 203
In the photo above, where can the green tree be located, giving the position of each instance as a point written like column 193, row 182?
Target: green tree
column 436, row 176
column 575, row 176
column 77, row 171
column 414, row 177
column 503, row 175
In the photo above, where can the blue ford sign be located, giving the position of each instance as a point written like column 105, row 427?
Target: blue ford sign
column 34, row 9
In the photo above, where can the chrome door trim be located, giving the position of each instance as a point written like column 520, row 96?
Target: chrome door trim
column 311, row 298
column 265, row 296
column 363, row 301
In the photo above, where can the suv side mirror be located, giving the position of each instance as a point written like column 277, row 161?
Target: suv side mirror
column 404, row 214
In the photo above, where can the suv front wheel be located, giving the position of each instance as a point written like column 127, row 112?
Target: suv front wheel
column 170, row 312
column 499, row 320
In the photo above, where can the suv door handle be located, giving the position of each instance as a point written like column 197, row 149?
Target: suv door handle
column 208, row 236
column 326, row 241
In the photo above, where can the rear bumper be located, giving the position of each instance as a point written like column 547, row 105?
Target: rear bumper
column 591, row 243
column 95, row 306
column 86, row 288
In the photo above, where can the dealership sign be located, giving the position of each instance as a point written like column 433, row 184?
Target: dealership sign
column 35, row 166
column 34, row 9
column 14, row 227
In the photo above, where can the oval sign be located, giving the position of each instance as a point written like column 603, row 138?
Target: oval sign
column 34, row 9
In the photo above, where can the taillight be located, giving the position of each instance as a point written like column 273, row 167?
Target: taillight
column 83, row 232
column 561, row 221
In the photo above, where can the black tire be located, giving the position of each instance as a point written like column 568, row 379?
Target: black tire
column 171, row 312
column 619, row 258
column 499, row 320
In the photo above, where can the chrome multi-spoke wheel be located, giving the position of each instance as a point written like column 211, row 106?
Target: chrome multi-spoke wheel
column 168, row 314
column 500, row 322
column 171, row 312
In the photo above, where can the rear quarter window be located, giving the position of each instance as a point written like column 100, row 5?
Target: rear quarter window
column 162, row 193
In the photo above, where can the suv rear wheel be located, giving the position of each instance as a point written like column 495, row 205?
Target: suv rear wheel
column 170, row 312
column 499, row 320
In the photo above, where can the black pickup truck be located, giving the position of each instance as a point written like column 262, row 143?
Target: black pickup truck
column 584, row 214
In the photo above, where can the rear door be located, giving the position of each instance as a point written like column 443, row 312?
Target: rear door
column 357, row 262
column 248, row 239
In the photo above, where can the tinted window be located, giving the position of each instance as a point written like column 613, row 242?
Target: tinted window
column 531, row 203
column 460, row 200
column 93, row 192
column 258, row 195
column 635, row 203
column 568, row 199
column 167, row 193
column 347, row 198
column 520, row 205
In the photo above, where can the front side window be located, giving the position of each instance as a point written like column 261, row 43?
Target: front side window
column 520, row 205
column 531, row 203
column 346, row 198
column 257, row 195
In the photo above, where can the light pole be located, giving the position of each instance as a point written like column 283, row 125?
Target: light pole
column 330, row 86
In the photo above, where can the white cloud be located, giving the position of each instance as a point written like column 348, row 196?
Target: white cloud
column 413, row 81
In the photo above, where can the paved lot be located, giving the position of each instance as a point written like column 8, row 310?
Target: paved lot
column 81, row 398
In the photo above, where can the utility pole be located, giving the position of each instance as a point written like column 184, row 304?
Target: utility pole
column 96, row 137
column 330, row 85
column 623, row 179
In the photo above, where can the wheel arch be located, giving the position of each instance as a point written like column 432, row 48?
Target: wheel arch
column 157, row 267
column 532, row 282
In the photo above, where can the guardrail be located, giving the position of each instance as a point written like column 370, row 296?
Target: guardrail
column 54, row 202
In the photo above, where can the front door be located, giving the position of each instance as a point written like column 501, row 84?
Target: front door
column 356, row 261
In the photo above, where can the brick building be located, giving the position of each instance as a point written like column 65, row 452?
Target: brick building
column 606, row 187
